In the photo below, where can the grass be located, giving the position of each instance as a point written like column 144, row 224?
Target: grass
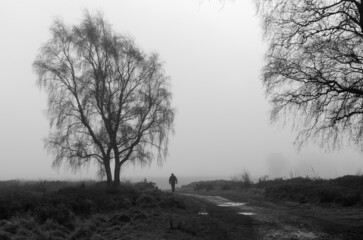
column 90, row 210
column 344, row 191
column 75, row 210
column 76, row 199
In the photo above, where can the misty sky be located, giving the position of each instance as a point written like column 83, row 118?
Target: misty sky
column 213, row 53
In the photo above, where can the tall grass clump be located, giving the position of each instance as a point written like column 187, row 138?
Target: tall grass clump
column 244, row 179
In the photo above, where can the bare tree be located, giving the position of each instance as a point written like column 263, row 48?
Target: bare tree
column 314, row 67
column 108, row 101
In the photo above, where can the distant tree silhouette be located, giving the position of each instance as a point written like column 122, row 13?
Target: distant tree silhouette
column 108, row 101
column 314, row 67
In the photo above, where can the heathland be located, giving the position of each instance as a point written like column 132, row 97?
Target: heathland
column 297, row 208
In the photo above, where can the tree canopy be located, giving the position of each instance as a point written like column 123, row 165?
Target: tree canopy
column 314, row 67
column 108, row 101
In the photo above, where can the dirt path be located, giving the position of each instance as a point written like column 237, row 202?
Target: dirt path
column 240, row 208
column 256, row 218
column 233, row 217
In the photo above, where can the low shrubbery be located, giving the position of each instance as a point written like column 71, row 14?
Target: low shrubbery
column 210, row 185
column 344, row 191
column 242, row 181
column 63, row 205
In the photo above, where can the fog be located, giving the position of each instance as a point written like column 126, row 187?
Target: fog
column 213, row 53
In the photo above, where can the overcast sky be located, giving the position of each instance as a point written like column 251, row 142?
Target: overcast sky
column 213, row 53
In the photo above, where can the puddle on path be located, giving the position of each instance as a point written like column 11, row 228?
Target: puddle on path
column 203, row 213
column 246, row 213
column 231, row 204
column 222, row 202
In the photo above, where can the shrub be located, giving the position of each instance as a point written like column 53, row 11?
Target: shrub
column 327, row 195
column 83, row 206
column 207, row 186
column 146, row 201
column 168, row 201
column 59, row 214
column 145, row 185
column 118, row 219
column 337, row 191
column 351, row 199
column 226, row 187
column 64, row 204
column 244, row 179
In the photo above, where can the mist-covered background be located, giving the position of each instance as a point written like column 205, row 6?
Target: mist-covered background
column 213, row 52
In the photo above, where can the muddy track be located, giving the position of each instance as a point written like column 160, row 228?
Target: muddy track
column 244, row 218
column 233, row 217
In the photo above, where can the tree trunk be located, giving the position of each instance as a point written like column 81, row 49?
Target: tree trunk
column 108, row 173
column 116, row 179
column 117, row 170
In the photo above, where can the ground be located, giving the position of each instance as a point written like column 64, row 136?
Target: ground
column 279, row 220
column 134, row 213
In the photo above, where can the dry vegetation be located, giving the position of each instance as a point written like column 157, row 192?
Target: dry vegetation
column 297, row 208
column 90, row 210
column 343, row 191
column 61, row 210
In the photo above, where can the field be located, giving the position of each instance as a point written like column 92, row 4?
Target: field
column 61, row 210
column 297, row 208
column 90, row 210
column 281, row 209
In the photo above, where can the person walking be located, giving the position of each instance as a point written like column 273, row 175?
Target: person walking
column 172, row 181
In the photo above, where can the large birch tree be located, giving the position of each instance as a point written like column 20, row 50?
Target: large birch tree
column 108, row 101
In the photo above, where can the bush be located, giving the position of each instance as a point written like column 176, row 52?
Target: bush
column 327, row 196
column 207, row 186
column 244, row 179
column 338, row 191
column 227, row 187
column 64, row 204
column 169, row 201
column 146, row 186
column 351, row 199
column 59, row 214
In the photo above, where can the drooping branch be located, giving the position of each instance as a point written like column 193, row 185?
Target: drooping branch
column 107, row 99
column 314, row 67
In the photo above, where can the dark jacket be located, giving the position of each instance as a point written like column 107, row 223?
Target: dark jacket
column 173, row 180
